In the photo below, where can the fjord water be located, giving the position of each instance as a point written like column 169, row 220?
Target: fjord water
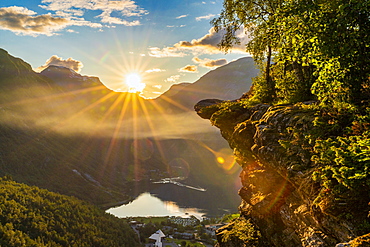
column 197, row 175
column 147, row 204
column 183, row 199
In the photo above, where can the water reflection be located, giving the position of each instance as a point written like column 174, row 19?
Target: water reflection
column 148, row 205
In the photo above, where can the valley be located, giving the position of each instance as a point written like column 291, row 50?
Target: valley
column 69, row 134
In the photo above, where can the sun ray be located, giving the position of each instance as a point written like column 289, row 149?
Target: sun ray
column 174, row 103
column 87, row 108
column 135, row 151
column 60, row 124
column 53, row 96
column 101, row 121
column 161, row 112
column 152, row 128
column 117, row 128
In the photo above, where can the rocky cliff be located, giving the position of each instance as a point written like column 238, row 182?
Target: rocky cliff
column 282, row 205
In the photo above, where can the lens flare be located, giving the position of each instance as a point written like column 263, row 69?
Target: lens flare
column 179, row 168
column 143, row 148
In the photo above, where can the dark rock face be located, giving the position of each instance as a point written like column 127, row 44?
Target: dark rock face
column 278, row 190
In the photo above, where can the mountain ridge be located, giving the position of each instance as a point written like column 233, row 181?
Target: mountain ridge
column 227, row 82
column 97, row 144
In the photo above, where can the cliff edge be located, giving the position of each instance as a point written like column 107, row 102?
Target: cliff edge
column 289, row 196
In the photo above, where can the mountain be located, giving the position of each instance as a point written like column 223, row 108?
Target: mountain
column 15, row 69
column 17, row 78
column 227, row 82
column 69, row 134
column 68, row 78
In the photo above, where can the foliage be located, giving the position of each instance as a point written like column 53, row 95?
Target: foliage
column 361, row 241
column 338, row 143
column 229, row 217
column 228, row 111
column 344, row 160
column 241, row 230
column 341, row 149
column 36, row 217
column 339, row 146
column 320, row 50
column 188, row 243
column 254, row 18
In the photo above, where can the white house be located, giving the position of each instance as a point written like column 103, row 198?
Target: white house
column 157, row 236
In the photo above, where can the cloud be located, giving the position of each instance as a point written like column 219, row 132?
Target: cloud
column 71, row 31
column 181, row 16
column 189, row 69
column 68, row 63
column 209, row 42
column 123, row 8
column 23, row 21
column 166, row 52
column 155, row 70
column 208, row 63
column 106, row 18
column 173, row 79
column 204, row 17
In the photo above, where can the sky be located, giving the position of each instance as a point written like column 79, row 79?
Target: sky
column 154, row 43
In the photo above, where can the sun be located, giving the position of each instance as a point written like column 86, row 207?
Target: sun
column 133, row 82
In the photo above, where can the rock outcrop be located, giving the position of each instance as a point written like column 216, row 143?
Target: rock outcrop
column 278, row 191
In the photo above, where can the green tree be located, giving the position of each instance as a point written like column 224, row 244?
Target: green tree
column 327, row 44
column 319, row 49
column 255, row 17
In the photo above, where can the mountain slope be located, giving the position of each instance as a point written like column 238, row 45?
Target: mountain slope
column 19, row 80
column 227, row 82
column 78, row 138
column 69, row 79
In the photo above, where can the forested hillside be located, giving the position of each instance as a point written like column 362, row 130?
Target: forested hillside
column 36, row 217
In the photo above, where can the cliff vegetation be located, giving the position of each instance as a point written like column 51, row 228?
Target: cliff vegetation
column 302, row 133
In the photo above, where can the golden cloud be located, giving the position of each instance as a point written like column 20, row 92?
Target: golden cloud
column 23, row 21
column 173, row 79
column 209, row 43
column 155, row 70
column 189, row 69
column 208, row 63
column 68, row 63
column 166, row 52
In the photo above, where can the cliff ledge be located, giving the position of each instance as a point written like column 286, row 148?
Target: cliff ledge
column 283, row 204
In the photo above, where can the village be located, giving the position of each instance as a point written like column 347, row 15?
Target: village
column 178, row 231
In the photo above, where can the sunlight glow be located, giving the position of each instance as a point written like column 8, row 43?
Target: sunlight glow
column 133, row 81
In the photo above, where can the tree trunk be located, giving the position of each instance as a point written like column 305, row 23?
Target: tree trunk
column 270, row 84
column 299, row 73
